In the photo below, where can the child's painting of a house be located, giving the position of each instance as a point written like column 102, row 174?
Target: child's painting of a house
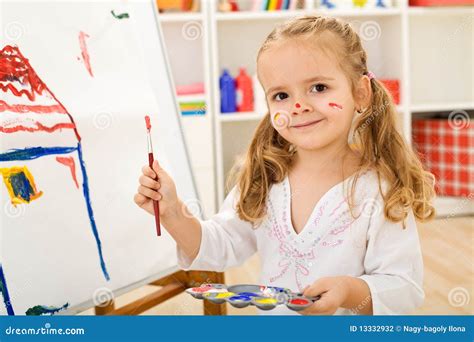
column 43, row 173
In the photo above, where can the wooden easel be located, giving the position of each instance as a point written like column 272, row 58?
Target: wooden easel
column 171, row 286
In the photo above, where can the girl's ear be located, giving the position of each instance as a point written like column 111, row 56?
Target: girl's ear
column 363, row 93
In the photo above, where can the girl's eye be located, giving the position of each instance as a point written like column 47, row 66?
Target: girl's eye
column 280, row 96
column 319, row 87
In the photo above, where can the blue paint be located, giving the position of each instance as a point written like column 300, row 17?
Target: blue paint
column 36, row 152
column 240, row 298
column 327, row 4
column 40, row 310
column 85, row 187
column 5, row 294
column 33, row 153
column 248, row 294
column 278, row 289
column 21, row 186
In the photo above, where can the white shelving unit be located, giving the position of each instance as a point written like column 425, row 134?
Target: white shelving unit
column 424, row 48
column 188, row 45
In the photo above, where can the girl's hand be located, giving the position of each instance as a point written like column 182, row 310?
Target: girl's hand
column 333, row 290
column 162, row 190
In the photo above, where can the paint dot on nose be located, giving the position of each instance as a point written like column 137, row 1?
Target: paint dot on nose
column 297, row 105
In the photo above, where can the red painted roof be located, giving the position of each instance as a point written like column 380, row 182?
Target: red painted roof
column 22, row 110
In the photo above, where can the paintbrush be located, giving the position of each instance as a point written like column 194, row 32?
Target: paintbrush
column 156, row 204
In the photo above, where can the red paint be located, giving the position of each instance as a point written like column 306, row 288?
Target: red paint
column 39, row 109
column 84, row 52
column 15, row 69
column 297, row 105
column 39, row 127
column 200, row 289
column 148, row 123
column 299, row 301
column 335, row 105
column 69, row 161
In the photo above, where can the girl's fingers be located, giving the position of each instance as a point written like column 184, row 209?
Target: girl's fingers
column 147, row 171
column 156, row 166
column 317, row 309
column 315, row 289
column 148, row 182
column 155, row 195
column 139, row 199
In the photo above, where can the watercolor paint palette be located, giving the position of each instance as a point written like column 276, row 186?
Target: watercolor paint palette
column 241, row 296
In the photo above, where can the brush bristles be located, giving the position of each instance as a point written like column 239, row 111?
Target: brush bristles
column 148, row 123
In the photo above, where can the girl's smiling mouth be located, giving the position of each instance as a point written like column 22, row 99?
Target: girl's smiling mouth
column 307, row 124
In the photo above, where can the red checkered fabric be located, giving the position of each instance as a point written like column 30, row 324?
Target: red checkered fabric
column 447, row 150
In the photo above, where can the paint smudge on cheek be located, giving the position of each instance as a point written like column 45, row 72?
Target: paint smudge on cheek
column 280, row 119
column 335, row 106
column 85, row 52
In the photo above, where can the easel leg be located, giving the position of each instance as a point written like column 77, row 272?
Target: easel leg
column 106, row 309
column 171, row 286
column 196, row 278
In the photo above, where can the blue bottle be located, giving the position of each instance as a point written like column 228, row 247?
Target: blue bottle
column 228, row 97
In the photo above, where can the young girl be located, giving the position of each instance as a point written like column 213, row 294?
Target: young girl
column 329, row 190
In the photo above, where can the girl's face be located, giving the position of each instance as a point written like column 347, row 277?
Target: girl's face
column 308, row 95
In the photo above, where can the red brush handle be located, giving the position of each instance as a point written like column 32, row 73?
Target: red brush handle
column 156, row 204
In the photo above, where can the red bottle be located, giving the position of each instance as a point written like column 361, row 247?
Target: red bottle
column 244, row 88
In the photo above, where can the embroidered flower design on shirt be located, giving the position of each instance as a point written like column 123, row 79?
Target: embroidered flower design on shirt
column 290, row 254
column 294, row 253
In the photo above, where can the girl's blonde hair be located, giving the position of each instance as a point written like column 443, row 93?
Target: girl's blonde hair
column 382, row 148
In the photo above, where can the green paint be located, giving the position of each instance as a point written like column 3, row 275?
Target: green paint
column 120, row 16
column 39, row 310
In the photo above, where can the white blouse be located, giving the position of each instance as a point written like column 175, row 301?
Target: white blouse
column 332, row 243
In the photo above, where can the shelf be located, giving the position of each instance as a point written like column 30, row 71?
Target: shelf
column 368, row 12
column 442, row 106
column 453, row 206
column 240, row 116
column 179, row 17
column 257, row 15
column 416, row 41
column 191, row 97
column 236, row 16
column 448, row 10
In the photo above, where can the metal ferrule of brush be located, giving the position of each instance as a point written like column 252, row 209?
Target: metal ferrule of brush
column 150, row 146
